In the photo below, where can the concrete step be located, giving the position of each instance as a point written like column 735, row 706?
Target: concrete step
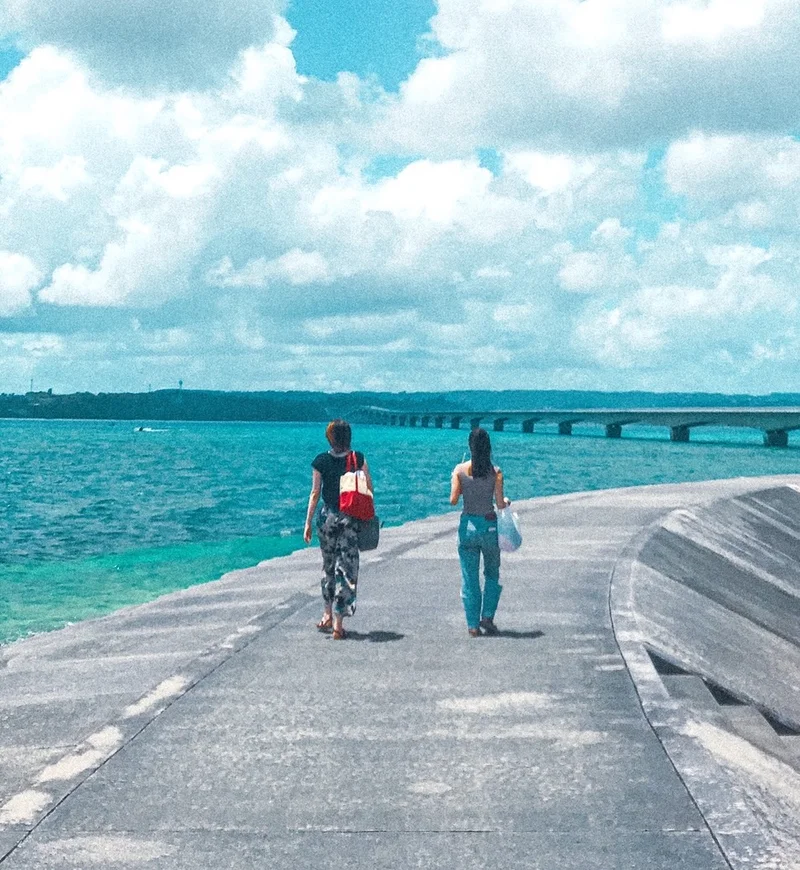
column 791, row 743
column 750, row 724
column 693, row 692
column 744, row 720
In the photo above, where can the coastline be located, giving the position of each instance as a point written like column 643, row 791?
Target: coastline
column 118, row 580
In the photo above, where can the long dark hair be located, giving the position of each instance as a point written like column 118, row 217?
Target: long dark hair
column 481, row 449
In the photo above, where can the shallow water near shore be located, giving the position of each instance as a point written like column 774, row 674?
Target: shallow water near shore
column 96, row 515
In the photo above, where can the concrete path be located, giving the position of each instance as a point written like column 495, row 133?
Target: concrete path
column 215, row 728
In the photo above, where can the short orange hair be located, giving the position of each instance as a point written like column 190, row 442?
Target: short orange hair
column 338, row 434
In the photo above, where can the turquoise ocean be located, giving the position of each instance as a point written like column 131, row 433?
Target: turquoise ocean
column 96, row 515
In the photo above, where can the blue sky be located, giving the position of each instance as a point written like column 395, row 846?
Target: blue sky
column 593, row 194
column 9, row 58
column 366, row 37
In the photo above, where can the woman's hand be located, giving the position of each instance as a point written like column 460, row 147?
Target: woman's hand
column 455, row 486
column 313, row 501
column 499, row 496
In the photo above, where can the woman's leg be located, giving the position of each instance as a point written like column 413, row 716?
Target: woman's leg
column 326, row 533
column 346, row 568
column 491, row 572
column 469, row 555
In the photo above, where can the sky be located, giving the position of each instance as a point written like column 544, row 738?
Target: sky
column 406, row 195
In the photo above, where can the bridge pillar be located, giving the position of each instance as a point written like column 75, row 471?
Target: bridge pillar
column 776, row 438
column 679, row 433
column 412, row 420
column 499, row 424
column 614, row 430
column 438, row 422
column 455, row 422
column 393, row 420
column 401, row 420
column 565, row 428
column 425, row 421
column 474, row 422
column 527, row 425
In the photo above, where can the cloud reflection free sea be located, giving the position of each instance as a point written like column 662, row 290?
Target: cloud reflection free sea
column 96, row 515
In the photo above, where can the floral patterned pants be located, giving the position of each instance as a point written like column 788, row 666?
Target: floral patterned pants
column 338, row 540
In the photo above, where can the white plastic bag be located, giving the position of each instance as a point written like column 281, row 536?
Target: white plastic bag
column 509, row 536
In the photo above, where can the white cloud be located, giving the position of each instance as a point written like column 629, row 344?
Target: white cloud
column 749, row 182
column 619, row 339
column 550, row 173
column 429, row 190
column 209, row 232
column 604, row 267
column 57, row 181
column 584, row 271
column 295, row 267
column 611, row 232
column 33, row 344
column 691, row 21
column 160, row 222
column 180, row 45
column 493, row 272
column 18, row 276
column 570, row 188
column 597, row 74
column 737, row 259
column 734, row 304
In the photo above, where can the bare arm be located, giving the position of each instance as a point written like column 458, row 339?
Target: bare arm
column 313, row 501
column 499, row 496
column 365, row 469
column 455, row 486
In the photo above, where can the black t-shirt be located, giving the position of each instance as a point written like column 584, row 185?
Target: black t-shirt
column 332, row 468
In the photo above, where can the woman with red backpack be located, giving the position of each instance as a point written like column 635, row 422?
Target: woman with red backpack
column 337, row 531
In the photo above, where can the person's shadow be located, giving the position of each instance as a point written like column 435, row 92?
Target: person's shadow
column 388, row 636
column 517, row 635
column 374, row 636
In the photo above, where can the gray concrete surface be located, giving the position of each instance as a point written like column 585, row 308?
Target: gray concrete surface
column 217, row 728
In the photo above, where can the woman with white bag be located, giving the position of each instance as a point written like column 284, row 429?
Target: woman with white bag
column 336, row 529
column 480, row 483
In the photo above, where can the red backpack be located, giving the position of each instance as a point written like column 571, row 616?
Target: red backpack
column 355, row 497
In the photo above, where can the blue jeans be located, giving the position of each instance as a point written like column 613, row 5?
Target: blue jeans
column 478, row 535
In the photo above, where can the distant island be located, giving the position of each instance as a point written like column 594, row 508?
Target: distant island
column 298, row 406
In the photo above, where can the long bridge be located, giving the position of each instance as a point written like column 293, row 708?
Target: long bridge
column 775, row 423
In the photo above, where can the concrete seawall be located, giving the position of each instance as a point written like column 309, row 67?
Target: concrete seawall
column 717, row 590
column 706, row 607
column 637, row 710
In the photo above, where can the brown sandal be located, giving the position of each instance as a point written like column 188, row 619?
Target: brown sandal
column 339, row 634
column 326, row 623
